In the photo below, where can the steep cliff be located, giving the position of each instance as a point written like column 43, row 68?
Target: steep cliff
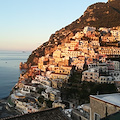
column 97, row 15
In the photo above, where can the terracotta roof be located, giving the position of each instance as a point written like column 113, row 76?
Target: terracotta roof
column 49, row 114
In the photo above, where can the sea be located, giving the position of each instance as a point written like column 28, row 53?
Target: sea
column 9, row 69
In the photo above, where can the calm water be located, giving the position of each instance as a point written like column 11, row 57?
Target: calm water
column 9, row 69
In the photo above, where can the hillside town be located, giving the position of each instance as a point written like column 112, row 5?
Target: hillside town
column 95, row 52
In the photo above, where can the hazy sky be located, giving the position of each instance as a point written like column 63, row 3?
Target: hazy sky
column 26, row 24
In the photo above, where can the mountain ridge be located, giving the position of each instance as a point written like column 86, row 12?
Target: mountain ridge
column 97, row 15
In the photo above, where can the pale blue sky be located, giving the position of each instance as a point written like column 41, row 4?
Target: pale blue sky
column 25, row 24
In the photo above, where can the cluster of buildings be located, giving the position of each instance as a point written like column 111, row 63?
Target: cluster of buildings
column 106, row 72
column 53, row 71
column 24, row 104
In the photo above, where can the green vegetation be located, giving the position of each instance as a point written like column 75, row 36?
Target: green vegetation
column 40, row 90
column 105, row 14
column 49, row 103
column 30, row 58
column 79, row 92
column 36, row 53
column 41, row 99
column 10, row 102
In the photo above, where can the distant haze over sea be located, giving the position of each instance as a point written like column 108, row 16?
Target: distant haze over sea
column 9, row 69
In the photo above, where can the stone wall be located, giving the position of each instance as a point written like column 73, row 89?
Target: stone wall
column 102, row 108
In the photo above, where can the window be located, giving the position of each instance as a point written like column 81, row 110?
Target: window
column 80, row 118
column 96, row 116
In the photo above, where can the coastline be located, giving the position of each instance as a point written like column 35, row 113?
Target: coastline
column 9, row 70
column 5, row 98
column 4, row 109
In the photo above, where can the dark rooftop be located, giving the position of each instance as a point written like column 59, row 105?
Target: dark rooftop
column 49, row 114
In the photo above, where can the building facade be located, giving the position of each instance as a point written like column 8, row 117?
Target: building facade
column 104, row 105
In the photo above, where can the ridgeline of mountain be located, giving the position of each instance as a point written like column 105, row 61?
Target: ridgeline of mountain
column 97, row 15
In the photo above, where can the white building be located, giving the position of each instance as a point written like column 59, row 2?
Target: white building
column 116, row 65
column 106, row 79
column 115, row 75
column 115, row 33
column 26, row 107
column 87, row 28
column 79, row 66
column 102, row 66
column 113, row 65
column 78, row 35
column 56, row 53
column 95, row 43
column 106, row 30
column 91, row 75
column 104, row 105
column 51, row 94
column 48, row 73
column 41, row 80
column 27, row 88
column 71, row 54
column 39, row 77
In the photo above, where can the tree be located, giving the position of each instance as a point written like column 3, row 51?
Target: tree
column 41, row 99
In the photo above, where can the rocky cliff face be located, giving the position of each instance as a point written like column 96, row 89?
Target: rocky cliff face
column 97, row 15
